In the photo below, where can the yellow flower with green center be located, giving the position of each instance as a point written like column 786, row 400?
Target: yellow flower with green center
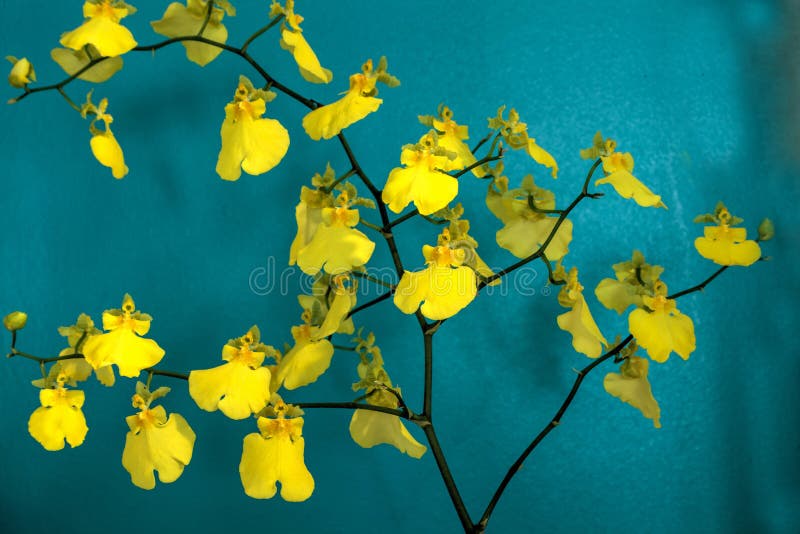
column 59, row 418
column 102, row 28
column 336, row 246
column 586, row 336
column 155, row 442
column 723, row 244
column 65, row 372
column 631, row 386
column 526, row 229
column 635, row 278
column 22, row 72
column 618, row 167
column 73, row 61
column 306, row 361
column 460, row 239
column 78, row 369
column 180, row 20
column 444, row 287
column 370, row 428
column 663, row 329
column 421, row 180
column 292, row 40
column 308, row 215
column 250, row 142
column 358, row 102
column 328, row 305
column 105, row 146
column 275, row 454
column 600, row 147
column 451, row 137
column 122, row 345
column 240, row 387
column 515, row 133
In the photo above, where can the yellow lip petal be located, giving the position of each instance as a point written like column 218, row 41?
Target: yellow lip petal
column 107, row 151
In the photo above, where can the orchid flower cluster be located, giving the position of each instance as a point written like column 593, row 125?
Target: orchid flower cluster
column 330, row 247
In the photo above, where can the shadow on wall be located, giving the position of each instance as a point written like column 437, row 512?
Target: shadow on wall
column 762, row 480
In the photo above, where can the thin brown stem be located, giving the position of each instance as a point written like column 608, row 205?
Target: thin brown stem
column 373, row 279
column 428, row 391
column 170, row 374
column 556, row 420
column 370, row 303
column 447, row 477
column 478, row 163
column 482, row 142
column 260, row 32
column 411, row 214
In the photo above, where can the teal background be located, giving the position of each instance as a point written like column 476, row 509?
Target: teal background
column 705, row 95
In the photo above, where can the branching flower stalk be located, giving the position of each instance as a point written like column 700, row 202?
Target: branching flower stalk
column 333, row 251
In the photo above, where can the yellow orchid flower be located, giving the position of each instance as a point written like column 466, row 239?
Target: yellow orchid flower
column 78, row 369
column 358, row 102
column 369, row 428
column 275, row 454
column 600, row 147
column 292, row 40
column 58, row 418
column 635, row 278
column 306, row 361
column 328, row 305
column 723, row 244
column 180, row 20
column 105, row 146
column 73, row 61
column 526, row 230
column 308, row 215
column 515, row 134
column 65, row 372
column 421, row 180
column 249, row 141
column 586, row 336
column 451, row 137
column 121, row 345
column 618, row 167
column 155, row 442
column 336, row 246
column 22, row 72
column 444, row 287
column 460, row 238
column 102, row 28
column 631, row 386
column 240, row 387
column 664, row 329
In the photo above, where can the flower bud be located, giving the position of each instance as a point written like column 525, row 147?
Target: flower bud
column 15, row 321
column 766, row 230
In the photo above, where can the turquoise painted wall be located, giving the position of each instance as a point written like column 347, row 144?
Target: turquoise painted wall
column 705, row 95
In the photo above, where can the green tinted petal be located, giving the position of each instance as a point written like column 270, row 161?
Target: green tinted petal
column 370, row 428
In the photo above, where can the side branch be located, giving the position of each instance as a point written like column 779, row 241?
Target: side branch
column 515, row 467
column 370, row 303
